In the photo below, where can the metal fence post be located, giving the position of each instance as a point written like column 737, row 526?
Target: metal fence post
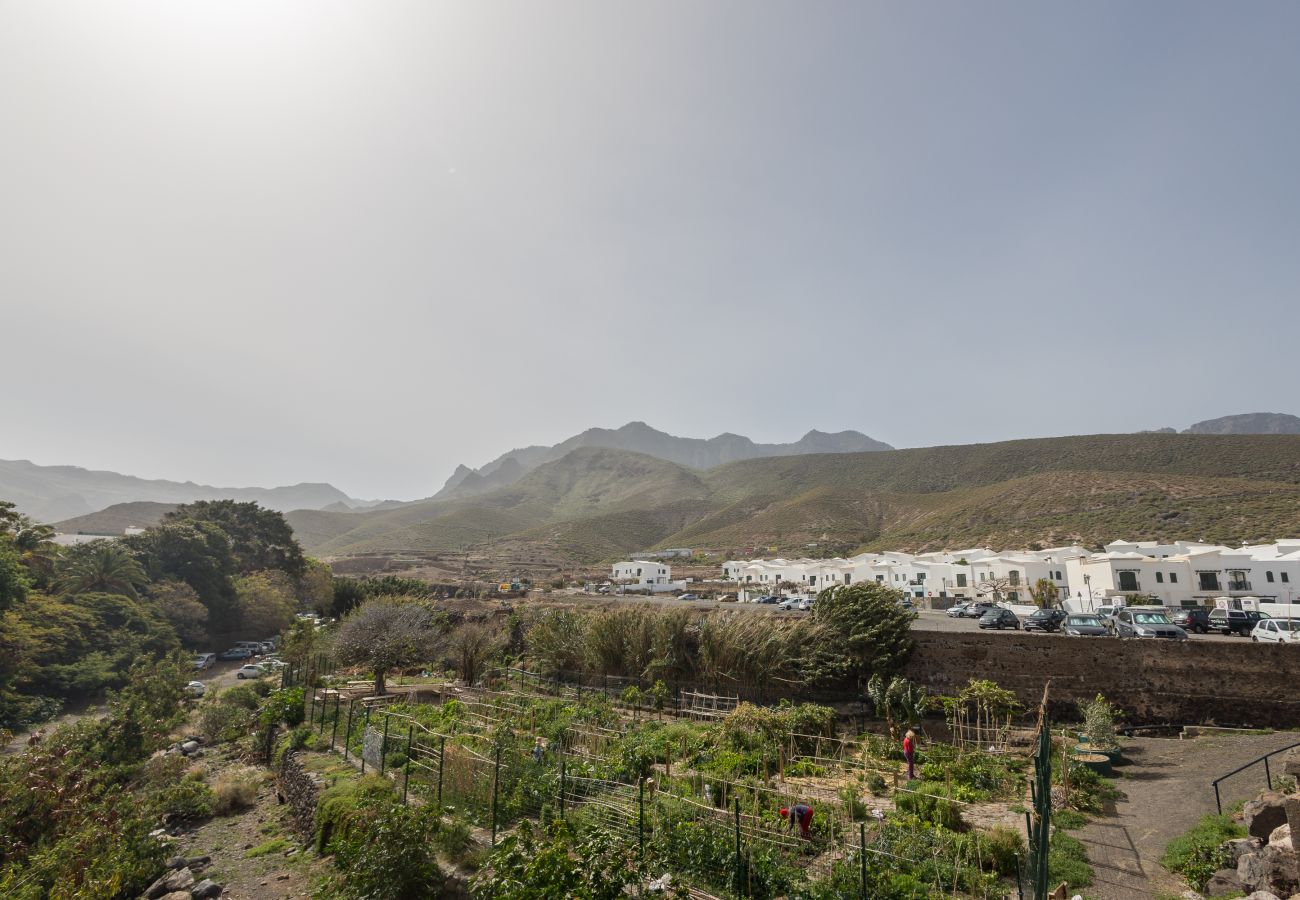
column 442, row 759
column 562, row 783
column 364, row 728
column 640, row 817
column 334, row 731
column 740, row 868
column 311, row 710
column 324, row 702
column 496, row 778
column 406, row 779
column 1268, row 775
column 862, row 855
column 383, row 748
column 347, row 735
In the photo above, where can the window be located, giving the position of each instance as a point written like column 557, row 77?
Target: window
column 1173, row 577
column 1209, row 581
column 1128, row 581
column 1268, row 576
column 1160, row 578
column 1015, row 576
column 961, row 579
column 847, row 577
column 1058, row 574
column 1013, row 597
column 880, row 578
column 920, row 578
column 1286, row 576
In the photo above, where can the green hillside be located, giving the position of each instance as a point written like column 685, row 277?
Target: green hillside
column 596, row 504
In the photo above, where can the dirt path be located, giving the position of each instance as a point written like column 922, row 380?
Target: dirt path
column 1166, row 786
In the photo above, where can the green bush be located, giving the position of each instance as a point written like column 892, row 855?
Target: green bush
column 220, row 722
column 391, row 856
column 1196, row 854
column 241, row 695
column 931, row 804
column 854, row 807
column 1001, row 849
column 876, row 784
column 188, row 799
column 802, row 768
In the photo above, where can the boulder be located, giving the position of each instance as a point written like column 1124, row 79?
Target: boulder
column 1223, row 883
column 1264, row 814
column 1238, row 848
column 176, row 862
column 189, row 747
column 1263, row 895
column 1292, row 807
column 1270, row 869
column 205, row 889
column 1291, row 764
column 1281, row 838
column 176, row 895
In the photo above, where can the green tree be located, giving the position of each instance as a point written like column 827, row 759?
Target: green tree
column 868, row 630
column 181, row 607
column 388, row 633
column 315, row 588
column 197, row 553
column 265, row 604
column 259, row 538
column 33, row 541
column 1045, row 593
column 103, row 566
column 13, row 576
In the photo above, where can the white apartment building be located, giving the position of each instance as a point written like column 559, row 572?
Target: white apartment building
column 645, row 575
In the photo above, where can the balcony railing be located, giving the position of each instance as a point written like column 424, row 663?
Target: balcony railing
column 1130, row 585
column 1238, row 585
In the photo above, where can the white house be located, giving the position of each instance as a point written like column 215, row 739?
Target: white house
column 645, row 575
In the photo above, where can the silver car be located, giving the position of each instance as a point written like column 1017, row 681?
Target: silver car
column 1146, row 622
column 1084, row 625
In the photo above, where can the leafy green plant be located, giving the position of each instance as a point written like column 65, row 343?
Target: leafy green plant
column 1067, row 861
column 1099, row 717
column 1196, row 854
column 931, row 803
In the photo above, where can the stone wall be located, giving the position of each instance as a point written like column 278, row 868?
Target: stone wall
column 1155, row 681
column 301, row 790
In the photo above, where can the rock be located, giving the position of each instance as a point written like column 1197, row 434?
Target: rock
column 1264, row 814
column 1240, row 847
column 1292, row 807
column 206, row 888
column 197, row 862
column 176, row 895
column 176, row 862
column 1281, row 837
column 1270, row 869
column 189, row 747
column 1190, row 895
column 1291, row 764
column 1223, row 883
column 1263, row 895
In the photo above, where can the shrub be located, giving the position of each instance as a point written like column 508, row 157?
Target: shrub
column 876, row 784
column 1099, row 723
column 384, row 849
column 1196, row 855
column 220, row 722
column 931, row 804
column 261, row 687
column 454, row 840
column 240, row 695
column 236, row 789
column 1001, row 849
column 802, row 768
column 853, row 805
column 188, row 799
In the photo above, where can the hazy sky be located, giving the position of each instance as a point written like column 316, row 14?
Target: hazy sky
column 263, row 243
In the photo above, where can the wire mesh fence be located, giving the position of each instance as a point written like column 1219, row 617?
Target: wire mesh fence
column 498, row 759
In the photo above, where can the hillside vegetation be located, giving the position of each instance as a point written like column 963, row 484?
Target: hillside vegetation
column 594, row 504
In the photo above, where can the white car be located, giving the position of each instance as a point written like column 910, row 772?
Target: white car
column 250, row 671
column 1276, row 631
column 805, row 604
column 196, row 689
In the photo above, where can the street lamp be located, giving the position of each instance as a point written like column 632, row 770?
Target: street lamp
column 1087, row 582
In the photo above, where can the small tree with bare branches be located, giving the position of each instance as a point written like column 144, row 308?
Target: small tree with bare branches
column 389, row 633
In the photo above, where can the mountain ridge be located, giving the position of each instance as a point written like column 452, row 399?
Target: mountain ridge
column 638, row 437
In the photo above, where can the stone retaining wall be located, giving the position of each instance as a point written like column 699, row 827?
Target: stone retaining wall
column 301, row 790
column 1155, row 681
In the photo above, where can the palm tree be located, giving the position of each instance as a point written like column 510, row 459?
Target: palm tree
column 100, row 566
column 36, row 547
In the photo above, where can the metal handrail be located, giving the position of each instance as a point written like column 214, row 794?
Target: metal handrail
column 1268, row 773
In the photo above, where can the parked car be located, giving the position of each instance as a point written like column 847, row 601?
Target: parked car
column 1276, row 631
column 1235, row 621
column 689, row 597
column 956, row 612
column 204, row 661
column 196, row 689
column 1045, row 620
column 1084, row 625
column 271, row 665
column 1146, row 622
column 250, row 671
column 1196, row 618
column 805, row 604
column 235, row 653
column 768, row 599
column 977, row 608
column 999, row 618
column 906, row 603
column 265, row 647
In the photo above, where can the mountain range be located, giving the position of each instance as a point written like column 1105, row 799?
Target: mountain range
column 1244, row 423
column 594, row 504
column 638, row 437
column 52, row 493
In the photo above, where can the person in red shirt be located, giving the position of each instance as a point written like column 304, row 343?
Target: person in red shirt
column 801, row 813
column 909, row 753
